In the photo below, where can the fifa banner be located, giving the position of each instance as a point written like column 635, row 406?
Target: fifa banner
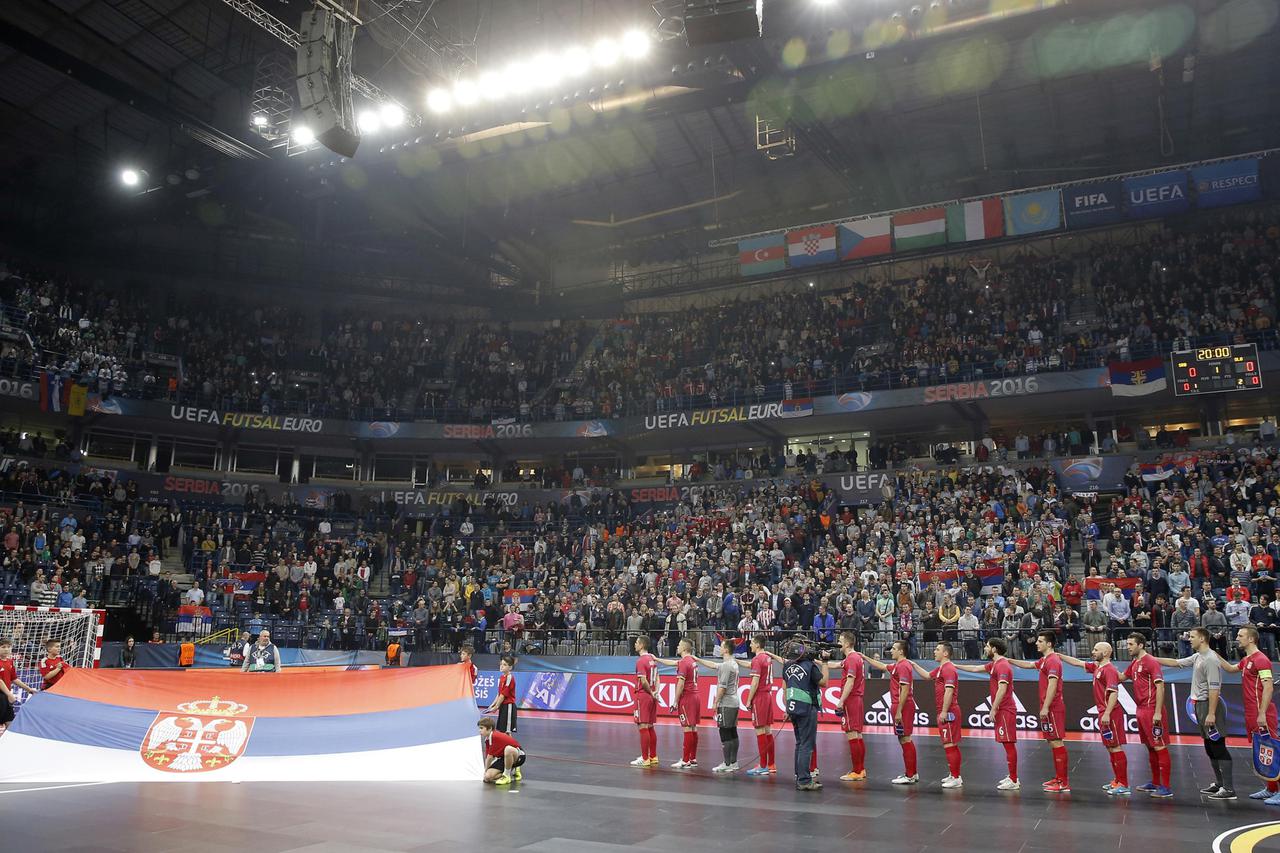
column 612, row 694
column 1091, row 205
column 1152, row 196
column 1221, row 184
column 202, row 725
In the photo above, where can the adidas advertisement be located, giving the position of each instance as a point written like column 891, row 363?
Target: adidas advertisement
column 880, row 712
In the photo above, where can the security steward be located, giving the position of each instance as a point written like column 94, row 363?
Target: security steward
column 802, row 679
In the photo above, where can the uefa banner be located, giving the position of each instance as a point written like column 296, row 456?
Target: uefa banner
column 1153, row 196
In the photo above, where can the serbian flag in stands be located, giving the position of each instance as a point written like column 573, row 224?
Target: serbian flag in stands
column 809, row 247
column 246, row 583
column 521, row 597
column 762, row 255
column 865, row 238
column 132, row 725
column 1137, row 378
column 990, row 572
column 800, row 407
column 53, row 392
column 1093, row 586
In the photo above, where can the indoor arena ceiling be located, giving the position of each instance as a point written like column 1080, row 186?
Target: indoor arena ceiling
column 647, row 171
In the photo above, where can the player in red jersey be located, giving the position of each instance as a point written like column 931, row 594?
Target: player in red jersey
column 52, row 666
column 1148, row 691
column 1053, row 709
column 1106, row 696
column 902, row 705
column 760, row 699
column 1259, row 711
column 503, row 756
column 1004, row 710
column 8, row 678
column 852, row 716
column 645, row 693
column 504, row 703
column 688, row 706
column 946, row 687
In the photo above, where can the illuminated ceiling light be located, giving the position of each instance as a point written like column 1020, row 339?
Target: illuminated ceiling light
column 465, row 93
column 518, row 77
column 130, row 177
column 369, row 122
column 259, row 120
column 303, row 135
column 439, row 101
column 605, row 53
column 491, row 85
column 575, row 61
column 824, row 2
column 392, row 115
column 635, row 44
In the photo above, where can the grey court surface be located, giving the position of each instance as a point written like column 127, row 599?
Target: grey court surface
column 578, row 796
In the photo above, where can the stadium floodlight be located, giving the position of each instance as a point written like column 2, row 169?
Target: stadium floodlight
column 824, row 2
column 635, row 44
column 465, row 93
column 259, row 120
column 575, row 61
column 491, row 85
column 303, row 135
column 439, row 101
column 369, row 122
column 392, row 115
column 130, row 177
column 605, row 53
column 546, row 71
column 517, row 77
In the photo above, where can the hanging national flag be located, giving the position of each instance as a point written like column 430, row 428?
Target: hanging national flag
column 1163, row 469
column 1031, row 213
column 53, row 393
column 919, row 229
column 761, row 255
column 1137, row 378
column 76, row 400
column 798, row 408
column 809, row 247
column 865, row 238
column 975, row 220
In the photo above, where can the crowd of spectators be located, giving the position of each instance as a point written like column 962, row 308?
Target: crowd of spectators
column 1210, row 281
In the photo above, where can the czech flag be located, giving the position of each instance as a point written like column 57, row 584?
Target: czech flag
column 388, row 725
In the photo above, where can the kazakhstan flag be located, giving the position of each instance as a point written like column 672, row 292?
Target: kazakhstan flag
column 1031, row 213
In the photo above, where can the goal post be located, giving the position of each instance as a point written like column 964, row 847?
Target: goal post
column 31, row 626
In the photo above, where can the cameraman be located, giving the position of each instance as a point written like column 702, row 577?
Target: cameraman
column 803, row 679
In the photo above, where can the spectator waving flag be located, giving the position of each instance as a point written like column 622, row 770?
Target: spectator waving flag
column 990, row 572
column 1093, row 587
column 809, row 247
column 1137, row 378
column 522, row 598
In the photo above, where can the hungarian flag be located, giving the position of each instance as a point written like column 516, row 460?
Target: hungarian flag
column 975, row 220
column 920, row 229
column 762, row 255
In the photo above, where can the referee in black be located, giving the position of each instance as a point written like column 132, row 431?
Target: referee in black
column 802, row 682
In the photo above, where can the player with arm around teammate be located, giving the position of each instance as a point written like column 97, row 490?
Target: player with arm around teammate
column 1004, row 711
column 1053, row 709
column 1257, row 686
column 1106, row 696
column 946, row 689
column 902, row 706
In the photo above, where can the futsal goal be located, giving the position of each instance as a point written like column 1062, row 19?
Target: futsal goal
column 30, row 627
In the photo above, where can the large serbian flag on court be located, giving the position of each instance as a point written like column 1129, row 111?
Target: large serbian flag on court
column 388, row 725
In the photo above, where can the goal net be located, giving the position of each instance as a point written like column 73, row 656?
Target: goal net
column 79, row 631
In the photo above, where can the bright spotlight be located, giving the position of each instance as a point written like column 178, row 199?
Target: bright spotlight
column 824, row 2
column 635, row 44
column 518, row 77
column 303, row 135
column 465, row 93
column 130, row 177
column 575, row 61
column 491, row 85
column 369, row 122
column 605, row 53
column 439, row 101
column 259, row 120
column 392, row 115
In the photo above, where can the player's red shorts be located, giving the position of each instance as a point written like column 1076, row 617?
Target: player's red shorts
column 762, row 708
column 646, row 709
column 908, row 720
column 1055, row 725
column 690, row 710
column 854, row 715
column 1006, row 726
column 1145, row 733
column 951, row 732
column 1117, row 727
column 1251, row 722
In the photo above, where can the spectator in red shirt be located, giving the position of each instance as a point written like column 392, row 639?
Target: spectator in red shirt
column 8, row 678
column 1262, row 562
column 502, row 754
column 1236, row 589
column 52, row 667
column 1072, row 592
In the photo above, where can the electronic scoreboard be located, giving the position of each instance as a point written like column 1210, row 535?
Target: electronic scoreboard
column 1231, row 367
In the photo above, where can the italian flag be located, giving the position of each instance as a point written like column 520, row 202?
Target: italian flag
column 919, row 229
column 975, row 220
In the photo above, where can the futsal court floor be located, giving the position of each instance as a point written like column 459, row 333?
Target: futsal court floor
column 579, row 796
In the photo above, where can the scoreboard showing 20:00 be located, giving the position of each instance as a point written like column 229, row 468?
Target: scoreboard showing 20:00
column 1207, row 370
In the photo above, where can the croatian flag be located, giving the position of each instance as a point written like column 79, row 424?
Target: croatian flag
column 388, row 725
column 812, row 246
column 1137, row 378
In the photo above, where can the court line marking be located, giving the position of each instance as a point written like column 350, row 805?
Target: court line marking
column 1217, row 842
column 54, row 787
